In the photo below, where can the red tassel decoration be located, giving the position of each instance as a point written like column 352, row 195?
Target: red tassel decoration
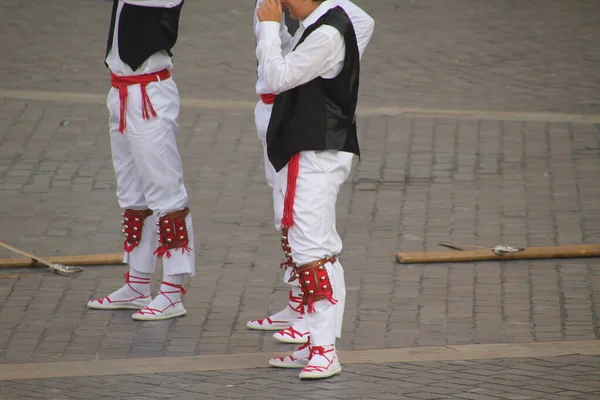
column 290, row 191
column 147, row 108
column 123, row 108
column 311, row 305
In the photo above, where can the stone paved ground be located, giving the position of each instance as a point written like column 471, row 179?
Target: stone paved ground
column 555, row 378
column 420, row 181
column 538, row 55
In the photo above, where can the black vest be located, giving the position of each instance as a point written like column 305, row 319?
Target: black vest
column 319, row 115
column 143, row 31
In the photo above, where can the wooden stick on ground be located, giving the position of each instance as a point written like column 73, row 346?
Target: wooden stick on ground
column 79, row 260
column 529, row 253
column 10, row 277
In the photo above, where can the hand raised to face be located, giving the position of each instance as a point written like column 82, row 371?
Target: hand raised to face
column 270, row 10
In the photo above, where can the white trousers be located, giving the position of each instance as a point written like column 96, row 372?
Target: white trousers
column 314, row 235
column 148, row 170
column 262, row 115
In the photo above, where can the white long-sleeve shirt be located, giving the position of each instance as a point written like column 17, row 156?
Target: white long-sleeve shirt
column 321, row 54
column 284, row 35
column 156, row 62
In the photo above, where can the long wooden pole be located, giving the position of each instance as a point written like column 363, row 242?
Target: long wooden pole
column 78, row 260
column 529, row 253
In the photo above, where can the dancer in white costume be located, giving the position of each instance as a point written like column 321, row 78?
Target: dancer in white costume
column 289, row 322
column 143, row 110
column 292, row 313
column 311, row 139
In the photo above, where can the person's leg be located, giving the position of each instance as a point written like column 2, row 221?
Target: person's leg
column 315, row 244
column 154, row 151
column 291, row 314
column 138, row 221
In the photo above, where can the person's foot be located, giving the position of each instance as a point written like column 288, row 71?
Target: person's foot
column 294, row 334
column 150, row 313
column 133, row 296
column 166, row 305
column 298, row 359
column 323, row 363
column 281, row 320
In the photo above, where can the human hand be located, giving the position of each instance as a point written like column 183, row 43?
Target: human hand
column 270, row 10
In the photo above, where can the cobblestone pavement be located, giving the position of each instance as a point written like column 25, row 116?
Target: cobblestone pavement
column 519, row 181
column 553, row 378
column 420, row 181
column 537, row 55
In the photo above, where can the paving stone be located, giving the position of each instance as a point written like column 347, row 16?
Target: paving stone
column 436, row 380
column 420, row 181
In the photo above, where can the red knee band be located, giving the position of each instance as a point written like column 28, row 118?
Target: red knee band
column 172, row 233
column 315, row 283
column 133, row 223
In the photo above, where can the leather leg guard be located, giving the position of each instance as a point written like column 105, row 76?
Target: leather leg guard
column 133, row 222
column 172, row 233
column 315, row 283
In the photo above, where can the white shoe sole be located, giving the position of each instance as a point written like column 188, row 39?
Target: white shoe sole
column 320, row 375
column 116, row 306
column 158, row 317
column 278, row 364
column 287, row 339
column 267, row 327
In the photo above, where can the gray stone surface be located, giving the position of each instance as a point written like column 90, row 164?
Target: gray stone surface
column 539, row 55
column 551, row 378
column 420, row 181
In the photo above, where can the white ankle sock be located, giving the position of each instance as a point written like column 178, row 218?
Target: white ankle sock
column 303, row 351
column 289, row 313
column 170, row 292
column 138, row 286
column 324, row 359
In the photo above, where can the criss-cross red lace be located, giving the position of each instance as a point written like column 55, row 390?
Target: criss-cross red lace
column 154, row 311
column 297, row 300
column 128, row 280
column 318, row 350
column 291, row 332
column 290, row 356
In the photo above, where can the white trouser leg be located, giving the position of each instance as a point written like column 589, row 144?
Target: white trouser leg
column 262, row 115
column 278, row 214
column 182, row 262
column 147, row 163
column 130, row 192
column 141, row 258
column 325, row 324
column 339, row 283
column 313, row 235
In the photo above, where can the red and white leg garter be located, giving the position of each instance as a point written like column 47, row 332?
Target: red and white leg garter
column 315, row 283
column 133, row 222
column 172, row 233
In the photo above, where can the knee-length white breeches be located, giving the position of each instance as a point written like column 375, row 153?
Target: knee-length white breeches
column 262, row 115
column 148, row 170
column 314, row 236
